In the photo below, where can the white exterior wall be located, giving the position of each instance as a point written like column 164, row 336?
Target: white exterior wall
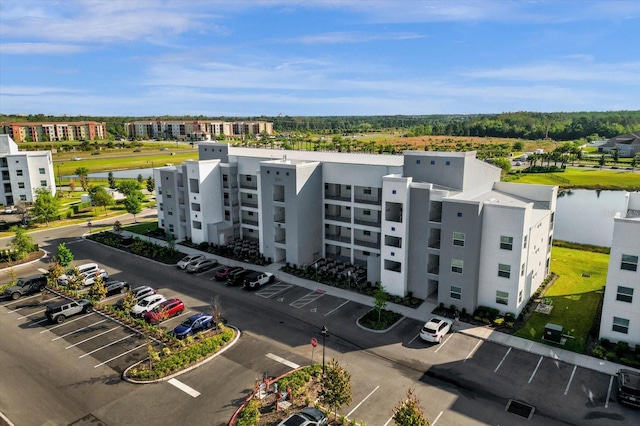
column 30, row 163
column 626, row 240
column 209, row 196
column 498, row 221
column 395, row 283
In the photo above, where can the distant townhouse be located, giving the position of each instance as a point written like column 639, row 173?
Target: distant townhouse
column 23, row 172
column 201, row 130
column 627, row 145
column 431, row 224
column 54, row 131
column 620, row 319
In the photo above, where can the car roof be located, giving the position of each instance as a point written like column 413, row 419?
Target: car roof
column 32, row 277
column 170, row 301
column 631, row 378
column 153, row 296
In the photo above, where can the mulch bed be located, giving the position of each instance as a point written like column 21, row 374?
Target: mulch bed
column 31, row 256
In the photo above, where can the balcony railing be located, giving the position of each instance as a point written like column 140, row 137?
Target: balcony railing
column 249, row 222
column 281, row 240
column 364, row 243
column 373, row 201
column 367, row 222
column 434, row 243
column 337, row 197
column 337, row 237
column 433, row 269
column 279, row 219
column 337, row 218
column 249, row 204
column 248, row 185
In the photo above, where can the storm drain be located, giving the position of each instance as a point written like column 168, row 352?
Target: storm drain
column 520, row 408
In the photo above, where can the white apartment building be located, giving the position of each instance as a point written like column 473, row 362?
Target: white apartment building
column 620, row 319
column 23, row 172
column 430, row 224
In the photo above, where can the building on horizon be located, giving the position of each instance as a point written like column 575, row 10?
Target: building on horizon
column 437, row 225
column 620, row 320
column 200, row 130
column 23, row 172
column 54, row 131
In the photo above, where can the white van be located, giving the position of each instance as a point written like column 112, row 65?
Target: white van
column 82, row 270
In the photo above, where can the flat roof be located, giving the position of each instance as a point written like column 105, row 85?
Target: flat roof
column 319, row 156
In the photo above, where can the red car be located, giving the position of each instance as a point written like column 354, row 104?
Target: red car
column 223, row 273
column 165, row 310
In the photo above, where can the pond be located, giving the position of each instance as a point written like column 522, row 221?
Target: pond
column 585, row 216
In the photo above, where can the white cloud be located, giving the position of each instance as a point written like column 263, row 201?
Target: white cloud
column 39, row 49
column 354, row 37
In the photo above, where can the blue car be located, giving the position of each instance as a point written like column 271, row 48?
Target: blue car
column 194, row 324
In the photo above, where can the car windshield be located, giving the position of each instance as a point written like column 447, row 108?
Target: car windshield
column 188, row 322
column 147, row 302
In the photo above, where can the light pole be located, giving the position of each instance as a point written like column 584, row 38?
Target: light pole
column 324, row 331
column 59, row 177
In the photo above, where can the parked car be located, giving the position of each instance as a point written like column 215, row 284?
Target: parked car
column 629, row 387
column 309, row 416
column 116, row 286
column 9, row 209
column 435, row 329
column 194, row 324
column 139, row 293
column 182, row 263
column 81, row 269
column 257, row 279
column 237, row 277
column 24, row 286
column 201, row 265
column 167, row 309
column 59, row 312
column 224, row 272
column 147, row 304
column 90, row 277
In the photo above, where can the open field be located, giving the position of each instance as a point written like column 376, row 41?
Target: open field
column 587, row 178
column 575, row 295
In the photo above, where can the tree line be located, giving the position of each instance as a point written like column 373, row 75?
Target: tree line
column 523, row 125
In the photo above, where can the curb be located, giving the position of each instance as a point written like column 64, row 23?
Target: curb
column 177, row 373
column 370, row 330
column 46, row 253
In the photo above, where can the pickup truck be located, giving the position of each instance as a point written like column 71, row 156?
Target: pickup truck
column 257, row 279
column 26, row 286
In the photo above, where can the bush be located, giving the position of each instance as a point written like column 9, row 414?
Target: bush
column 621, row 348
column 486, row 312
column 598, row 352
column 250, row 414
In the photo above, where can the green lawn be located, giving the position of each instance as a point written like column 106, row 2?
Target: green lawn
column 576, row 295
column 587, row 178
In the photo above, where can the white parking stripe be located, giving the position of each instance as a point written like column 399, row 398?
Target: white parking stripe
column 570, row 379
column 184, row 388
column 438, row 417
column 333, row 310
column 443, row 343
column 306, row 299
column 282, row 361
column 38, row 322
column 361, row 402
column 30, row 315
column 273, row 290
column 75, row 331
column 606, row 404
column 177, row 316
column 388, row 421
column 43, row 271
column 503, row 358
column 118, row 356
column 22, row 299
column 475, row 348
column 414, row 338
column 66, row 322
column 105, row 346
column 536, row 370
column 93, row 337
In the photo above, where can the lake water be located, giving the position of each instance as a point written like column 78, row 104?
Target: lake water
column 586, row 216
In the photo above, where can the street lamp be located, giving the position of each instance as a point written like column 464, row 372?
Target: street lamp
column 324, row 331
column 59, row 177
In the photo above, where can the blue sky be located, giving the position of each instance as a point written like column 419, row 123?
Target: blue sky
column 317, row 57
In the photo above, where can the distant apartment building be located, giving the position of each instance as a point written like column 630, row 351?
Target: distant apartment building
column 54, row 131
column 23, row 172
column 433, row 224
column 620, row 319
column 201, row 130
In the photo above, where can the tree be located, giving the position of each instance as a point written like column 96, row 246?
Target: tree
column 518, row 146
column 22, row 210
column 615, row 154
column 117, row 227
column 380, row 296
column 46, row 205
column 100, row 197
column 64, row 256
column 112, row 180
column 601, row 161
column 335, row 387
column 133, row 205
column 503, row 163
column 140, row 179
column 128, row 302
column 55, row 271
column 75, row 280
column 151, row 184
column 128, row 187
column 215, row 308
column 98, row 291
column 409, row 412
column 72, row 185
column 83, row 174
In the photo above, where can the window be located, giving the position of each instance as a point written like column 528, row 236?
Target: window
column 456, row 292
column 621, row 325
column 248, row 178
column 522, row 270
column 161, row 208
column 458, row 239
column 168, row 193
column 448, row 163
column 520, row 296
column 457, row 266
column 43, row 183
column 502, row 297
column 367, row 212
column 367, row 191
column 249, row 196
column 41, row 170
column 629, row 263
column 18, row 172
column 417, row 161
column 171, row 227
column 433, row 162
column 393, row 191
column 459, row 214
column 21, row 185
column 504, row 270
column 506, row 243
column 625, row 294
column 23, row 197
column 525, row 241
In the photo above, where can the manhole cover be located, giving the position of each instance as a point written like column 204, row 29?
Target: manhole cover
column 520, row 408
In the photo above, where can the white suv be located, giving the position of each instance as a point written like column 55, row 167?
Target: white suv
column 147, row 304
column 82, row 270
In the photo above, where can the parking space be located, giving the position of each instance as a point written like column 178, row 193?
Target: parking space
column 314, row 302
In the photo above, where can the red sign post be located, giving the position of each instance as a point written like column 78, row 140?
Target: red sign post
column 314, row 343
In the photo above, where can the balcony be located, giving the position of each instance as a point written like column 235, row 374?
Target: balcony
column 365, row 243
column 434, row 243
column 247, row 203
column 367, row 222
column 248, row 185
column 337, row 237
column 279, row 219
column 337, row 218
column 433, row 268
column 337, row 197
column 249, row 222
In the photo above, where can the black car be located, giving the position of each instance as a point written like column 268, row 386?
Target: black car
column 629, row 387
column 116, row 286
column 26, row 286
column 237, row 277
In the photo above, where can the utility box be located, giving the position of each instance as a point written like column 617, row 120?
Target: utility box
column 553, row 333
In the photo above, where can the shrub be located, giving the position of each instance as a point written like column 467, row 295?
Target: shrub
column 621, row 348
column 598, row 352
column 498, row 322
column 611, row 356
column 250, row 414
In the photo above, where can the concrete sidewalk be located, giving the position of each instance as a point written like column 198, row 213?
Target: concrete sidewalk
column 423, row 313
